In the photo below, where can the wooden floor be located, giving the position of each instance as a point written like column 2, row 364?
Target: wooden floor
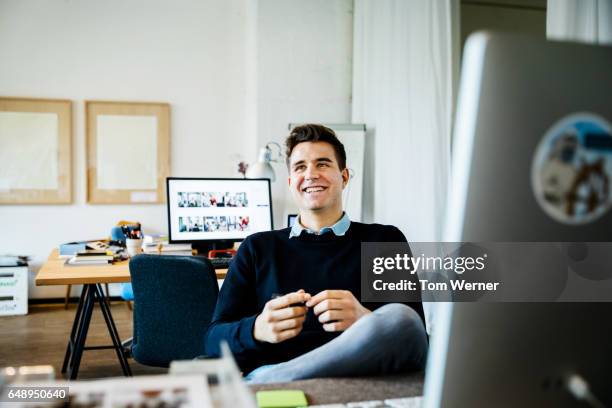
column 40, row 338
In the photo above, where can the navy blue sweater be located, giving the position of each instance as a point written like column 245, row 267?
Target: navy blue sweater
column 270, row 263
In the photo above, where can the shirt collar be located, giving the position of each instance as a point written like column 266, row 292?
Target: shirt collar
column 339, row 228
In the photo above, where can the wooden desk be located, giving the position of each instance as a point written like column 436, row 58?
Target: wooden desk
column 56, row 272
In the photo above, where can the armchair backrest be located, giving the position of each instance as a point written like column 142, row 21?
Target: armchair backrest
column 174, row 299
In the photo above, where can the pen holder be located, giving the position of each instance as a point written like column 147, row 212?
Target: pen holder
column 134, row 246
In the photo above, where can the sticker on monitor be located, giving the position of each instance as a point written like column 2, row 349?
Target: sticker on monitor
column 572, row 169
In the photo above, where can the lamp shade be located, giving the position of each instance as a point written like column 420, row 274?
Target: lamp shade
column 262, row 168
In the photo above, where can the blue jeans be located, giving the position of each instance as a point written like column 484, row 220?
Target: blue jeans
column 390, row 340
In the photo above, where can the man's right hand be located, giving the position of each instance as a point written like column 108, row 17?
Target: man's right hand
column 279, row 320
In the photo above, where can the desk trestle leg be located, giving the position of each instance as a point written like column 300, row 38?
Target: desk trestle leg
column 75, row 327
column 112, row 330
column 81, row 335
column 80, row 327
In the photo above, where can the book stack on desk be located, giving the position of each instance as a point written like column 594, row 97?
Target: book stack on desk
column 154, row 239
column 91, row 258
column 70, row 249
column 153, row 244
column 168, row 249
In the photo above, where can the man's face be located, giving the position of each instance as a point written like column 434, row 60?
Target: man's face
column 315, row 179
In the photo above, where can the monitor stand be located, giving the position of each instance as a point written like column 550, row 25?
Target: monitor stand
column 202, row 247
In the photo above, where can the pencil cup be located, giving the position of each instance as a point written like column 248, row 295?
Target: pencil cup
column 134, row 246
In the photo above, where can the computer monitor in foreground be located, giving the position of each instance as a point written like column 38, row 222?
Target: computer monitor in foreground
column 213, row 213
column 531, row 163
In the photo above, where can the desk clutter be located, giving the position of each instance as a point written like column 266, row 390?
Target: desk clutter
column 84, row 254
column 127, row 239
column 70, row 249
column 104, row 251
column 91, row 253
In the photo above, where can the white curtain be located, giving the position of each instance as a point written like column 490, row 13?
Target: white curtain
column 588, row 21
column 404, row 71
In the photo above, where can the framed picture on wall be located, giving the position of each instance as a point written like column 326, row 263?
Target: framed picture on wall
column 127, row 152
column 35, row 151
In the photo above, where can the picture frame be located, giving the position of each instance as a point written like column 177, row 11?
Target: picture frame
column 127, row 152
column 36, row 153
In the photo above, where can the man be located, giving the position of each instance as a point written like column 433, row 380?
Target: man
column 289, row 307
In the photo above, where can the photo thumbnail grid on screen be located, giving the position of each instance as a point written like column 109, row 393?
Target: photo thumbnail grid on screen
column 212, row 199
column 209, row 209
column 222, row 223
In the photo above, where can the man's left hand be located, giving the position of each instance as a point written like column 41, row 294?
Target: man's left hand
column 337, row 309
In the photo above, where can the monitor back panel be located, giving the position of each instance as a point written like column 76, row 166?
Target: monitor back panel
column 521, row 354
column 527, row 85
column 513, row 354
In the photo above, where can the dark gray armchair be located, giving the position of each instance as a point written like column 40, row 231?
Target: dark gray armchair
column 174, row 299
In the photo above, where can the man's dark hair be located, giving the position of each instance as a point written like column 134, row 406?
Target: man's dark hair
column 316, row 133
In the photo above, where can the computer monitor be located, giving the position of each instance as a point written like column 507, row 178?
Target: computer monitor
column 213, row 213
column 291, row 219
column 521, row 150
column 521, row 99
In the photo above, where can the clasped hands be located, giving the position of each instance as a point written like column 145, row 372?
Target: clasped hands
column 283, row 317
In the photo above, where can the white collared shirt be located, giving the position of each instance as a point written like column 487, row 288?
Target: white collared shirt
column 339, row 228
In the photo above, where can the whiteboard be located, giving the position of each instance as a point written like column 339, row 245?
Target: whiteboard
column 352, row 137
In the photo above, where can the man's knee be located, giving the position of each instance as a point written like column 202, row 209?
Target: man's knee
column 394, row 323
column 398, row 332
column 399, row 319
column 401, row 323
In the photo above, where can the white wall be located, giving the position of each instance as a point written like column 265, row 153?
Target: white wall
column 235, row 73
column 304, row 70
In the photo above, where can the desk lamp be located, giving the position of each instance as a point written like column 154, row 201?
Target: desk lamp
column 262, row 168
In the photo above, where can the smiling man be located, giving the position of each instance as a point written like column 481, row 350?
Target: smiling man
column 289, row 307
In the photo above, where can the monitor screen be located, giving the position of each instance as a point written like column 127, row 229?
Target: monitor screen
column 207, row 209
column 291, row 219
